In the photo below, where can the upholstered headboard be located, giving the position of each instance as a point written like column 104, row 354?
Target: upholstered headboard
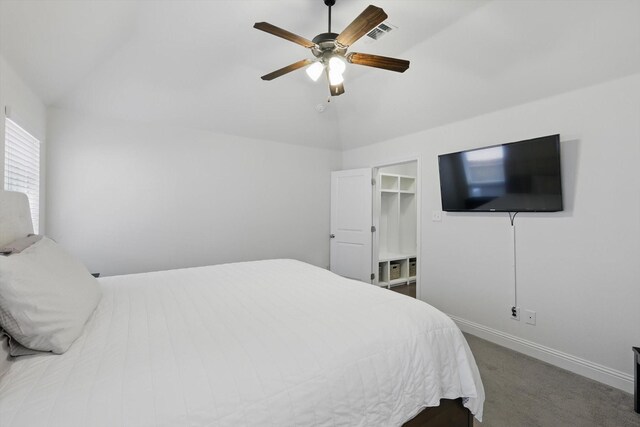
column 15, row 222
column 15, row 216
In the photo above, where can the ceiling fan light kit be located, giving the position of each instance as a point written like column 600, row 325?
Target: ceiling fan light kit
column 314, row 71
column 330, row 49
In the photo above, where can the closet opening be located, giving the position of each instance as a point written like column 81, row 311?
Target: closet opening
column 395, row 253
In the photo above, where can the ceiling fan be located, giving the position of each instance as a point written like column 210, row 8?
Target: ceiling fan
column 330, row 49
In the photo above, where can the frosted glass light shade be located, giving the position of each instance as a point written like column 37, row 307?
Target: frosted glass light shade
column 315, row 70
column 336, row 64
column 335, row 78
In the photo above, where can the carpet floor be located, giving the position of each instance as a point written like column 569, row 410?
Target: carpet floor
column 524, row 392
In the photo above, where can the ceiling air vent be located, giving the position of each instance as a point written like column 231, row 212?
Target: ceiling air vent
column 379, row 31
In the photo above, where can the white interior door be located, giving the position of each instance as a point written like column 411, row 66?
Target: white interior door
column 351, row 220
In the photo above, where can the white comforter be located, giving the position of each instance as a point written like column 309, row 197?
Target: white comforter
column 267, row 343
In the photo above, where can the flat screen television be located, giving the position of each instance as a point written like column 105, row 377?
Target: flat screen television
column 519, row 176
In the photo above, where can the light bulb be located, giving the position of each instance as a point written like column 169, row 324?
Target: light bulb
column 335, row 78
column 336, row 64
column 315, row 70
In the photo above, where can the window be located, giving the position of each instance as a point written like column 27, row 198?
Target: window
column 22, row 166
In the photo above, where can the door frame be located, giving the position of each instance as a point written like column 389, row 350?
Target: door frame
column 375, row 170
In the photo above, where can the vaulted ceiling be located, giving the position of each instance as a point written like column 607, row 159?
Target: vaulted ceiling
column 198, row 63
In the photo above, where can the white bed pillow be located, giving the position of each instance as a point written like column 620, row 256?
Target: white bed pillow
column 16, row 349
column 46, row 297
column 5, row 359
column 19, row 245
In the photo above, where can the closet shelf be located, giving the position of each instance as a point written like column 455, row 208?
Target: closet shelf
column 383, row 257
column 396, row 223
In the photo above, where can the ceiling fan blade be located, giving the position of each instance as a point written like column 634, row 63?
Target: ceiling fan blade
column 360, row 26
column 277, row 31
column 287, row 69
column 391, row 64
column 336, row 90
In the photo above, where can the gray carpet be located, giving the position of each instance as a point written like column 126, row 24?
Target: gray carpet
column 523, row 392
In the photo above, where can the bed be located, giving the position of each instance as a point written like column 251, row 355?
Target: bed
column 264, row 343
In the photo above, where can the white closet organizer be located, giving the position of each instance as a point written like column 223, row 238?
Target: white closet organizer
column 397, row 224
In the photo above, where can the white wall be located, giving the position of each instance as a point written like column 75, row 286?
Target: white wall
column 578, row 269
column 129, row 197
column 28, row 111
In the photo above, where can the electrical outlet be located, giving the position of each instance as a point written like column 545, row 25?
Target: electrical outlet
column 514, row 312
column 530, row 317
column 436, row 216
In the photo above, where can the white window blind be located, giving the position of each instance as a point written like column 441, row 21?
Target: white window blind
column 22, row 166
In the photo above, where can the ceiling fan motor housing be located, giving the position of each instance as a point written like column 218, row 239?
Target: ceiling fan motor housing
column 326, row 43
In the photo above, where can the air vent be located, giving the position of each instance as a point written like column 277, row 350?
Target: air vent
column 381, row 30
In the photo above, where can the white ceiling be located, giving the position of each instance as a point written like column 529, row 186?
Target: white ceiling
column 198, row 63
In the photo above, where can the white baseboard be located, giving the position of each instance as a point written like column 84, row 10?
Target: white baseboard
column 577, row 365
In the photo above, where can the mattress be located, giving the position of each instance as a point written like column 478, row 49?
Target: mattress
column 265, row 343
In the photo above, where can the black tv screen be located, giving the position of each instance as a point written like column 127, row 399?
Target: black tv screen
column 520, row 176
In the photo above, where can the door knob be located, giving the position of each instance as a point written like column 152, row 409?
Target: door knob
column 332, row 236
